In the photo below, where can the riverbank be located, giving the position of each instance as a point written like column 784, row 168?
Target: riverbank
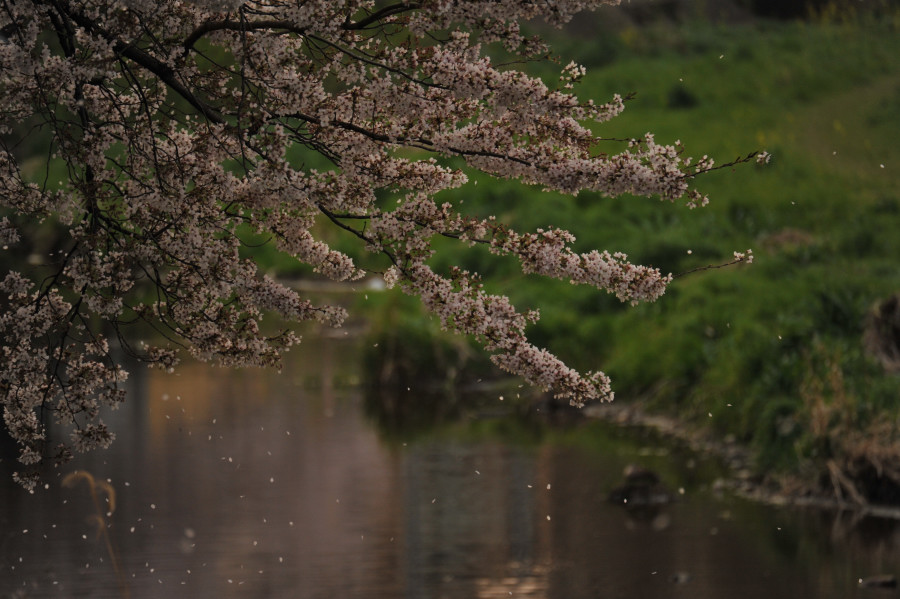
column 786, row 489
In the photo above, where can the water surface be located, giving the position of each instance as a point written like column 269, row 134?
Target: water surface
column 253, row 484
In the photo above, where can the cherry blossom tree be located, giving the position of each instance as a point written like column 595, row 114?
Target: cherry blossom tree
column 170, row 130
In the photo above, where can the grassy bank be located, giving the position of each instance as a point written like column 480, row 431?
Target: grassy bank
column 771, row 353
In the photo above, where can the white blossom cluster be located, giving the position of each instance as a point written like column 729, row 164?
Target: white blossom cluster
column 186, row 128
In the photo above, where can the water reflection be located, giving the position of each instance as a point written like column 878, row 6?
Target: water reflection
column 255, row 485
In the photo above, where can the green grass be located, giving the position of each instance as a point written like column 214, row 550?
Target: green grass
column 737, row 347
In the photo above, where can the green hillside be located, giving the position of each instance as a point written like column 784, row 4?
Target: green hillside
column 771, row 353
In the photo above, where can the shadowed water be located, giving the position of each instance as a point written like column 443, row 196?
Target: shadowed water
column 253, row 484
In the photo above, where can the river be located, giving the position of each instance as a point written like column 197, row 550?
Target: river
column 255, row 484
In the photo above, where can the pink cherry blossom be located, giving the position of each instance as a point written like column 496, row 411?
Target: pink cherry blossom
column 184, row 129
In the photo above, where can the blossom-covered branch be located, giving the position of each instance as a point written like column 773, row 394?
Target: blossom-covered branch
column 168, row 133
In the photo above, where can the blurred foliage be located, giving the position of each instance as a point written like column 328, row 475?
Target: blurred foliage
column 416, row 378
